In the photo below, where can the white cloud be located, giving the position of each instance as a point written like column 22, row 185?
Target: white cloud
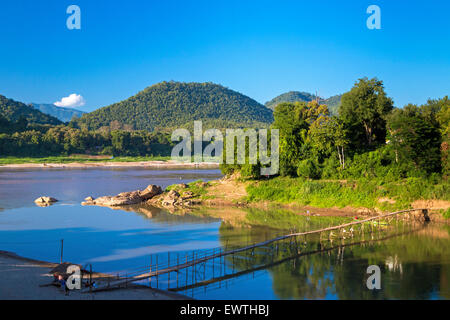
column 72, row 101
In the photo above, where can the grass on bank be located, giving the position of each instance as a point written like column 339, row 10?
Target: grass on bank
column 78, row 158
column 355, row 193
column 196, row 189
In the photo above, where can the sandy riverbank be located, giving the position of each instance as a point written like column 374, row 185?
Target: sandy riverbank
column 20, row 279
column 141, row 164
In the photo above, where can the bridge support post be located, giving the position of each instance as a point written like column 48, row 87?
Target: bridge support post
column 425, row 215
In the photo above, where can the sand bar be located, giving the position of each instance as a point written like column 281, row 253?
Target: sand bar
column 20, row 279
column 142, row 164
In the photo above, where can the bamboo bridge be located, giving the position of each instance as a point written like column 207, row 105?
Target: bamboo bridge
column 191, row 269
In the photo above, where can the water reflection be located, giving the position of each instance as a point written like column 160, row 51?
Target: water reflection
column 415, row 265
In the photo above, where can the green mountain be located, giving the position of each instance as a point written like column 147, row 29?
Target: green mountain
column 63, row 114
column 333, row 103
column 293, row 96
column 177, row 104
column 14, row 110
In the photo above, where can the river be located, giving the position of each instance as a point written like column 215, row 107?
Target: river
column 414, row 260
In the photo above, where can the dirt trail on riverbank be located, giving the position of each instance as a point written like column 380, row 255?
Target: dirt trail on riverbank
column 226, row 192
column 20, row 279
column 232, row 192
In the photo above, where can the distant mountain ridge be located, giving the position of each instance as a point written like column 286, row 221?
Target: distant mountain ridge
column 62, row 113
column 13, row 110
column 293, row 96
column 176, row 104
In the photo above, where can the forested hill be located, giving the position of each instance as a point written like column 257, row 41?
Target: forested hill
column 175, row 104
column 63, row 114
column 14, row 110
column 293, row 96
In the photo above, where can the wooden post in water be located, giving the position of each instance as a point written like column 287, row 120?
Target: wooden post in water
column 62, row 250
column 168, row 266
column 157, row 276
column 150, row 278
column 187, row 273
column 214, row 251
column 90, row 277
column 425, row 215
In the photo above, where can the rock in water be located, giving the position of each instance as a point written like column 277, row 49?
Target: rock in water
column 150, row 192
column 125, row 198
column 171, row 198
column 45, row 201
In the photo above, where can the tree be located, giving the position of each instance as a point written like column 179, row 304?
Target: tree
column 327, row 135
column 293, row 119
column 289, row 119
column 415, row 138
column 443, row 118
column 363, row 110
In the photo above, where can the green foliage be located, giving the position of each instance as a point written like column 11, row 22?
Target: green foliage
column 363, row 110
column 357, row 193
column 308, row 169
column 446, row 213
column 293, row 120
column 291, row 96
column 333, row 102
column 10, row 126
column 327, row 136
column 175, row 104
column 246, row 169
column 443, row 118
column 251, row 171
column 63, row 140
column 13, row 111
column 195, row 189
column 415, row 138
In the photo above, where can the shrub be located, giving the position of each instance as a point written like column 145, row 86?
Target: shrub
column 308, row 169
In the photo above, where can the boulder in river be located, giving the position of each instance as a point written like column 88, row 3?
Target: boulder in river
column 171, row 198
column 45, row 201
column 125, row 198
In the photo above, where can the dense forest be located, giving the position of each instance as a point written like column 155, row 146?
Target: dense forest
column 13, row 111
column 169, row 105
column 291, row 96
column 27, row 140
column 296, row 96
column 370, row 138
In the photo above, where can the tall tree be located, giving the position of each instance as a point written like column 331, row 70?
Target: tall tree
column 327, row 135
column 293, row 120
column 443, row 118
column 415, row 138
column 363, row 110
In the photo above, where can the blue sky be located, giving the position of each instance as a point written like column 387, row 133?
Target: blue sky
column 260, row 48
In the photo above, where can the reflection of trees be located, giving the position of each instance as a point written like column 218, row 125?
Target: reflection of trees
column 424, row 260
column 159, row 215
column 425, row 268
column 303, row 278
